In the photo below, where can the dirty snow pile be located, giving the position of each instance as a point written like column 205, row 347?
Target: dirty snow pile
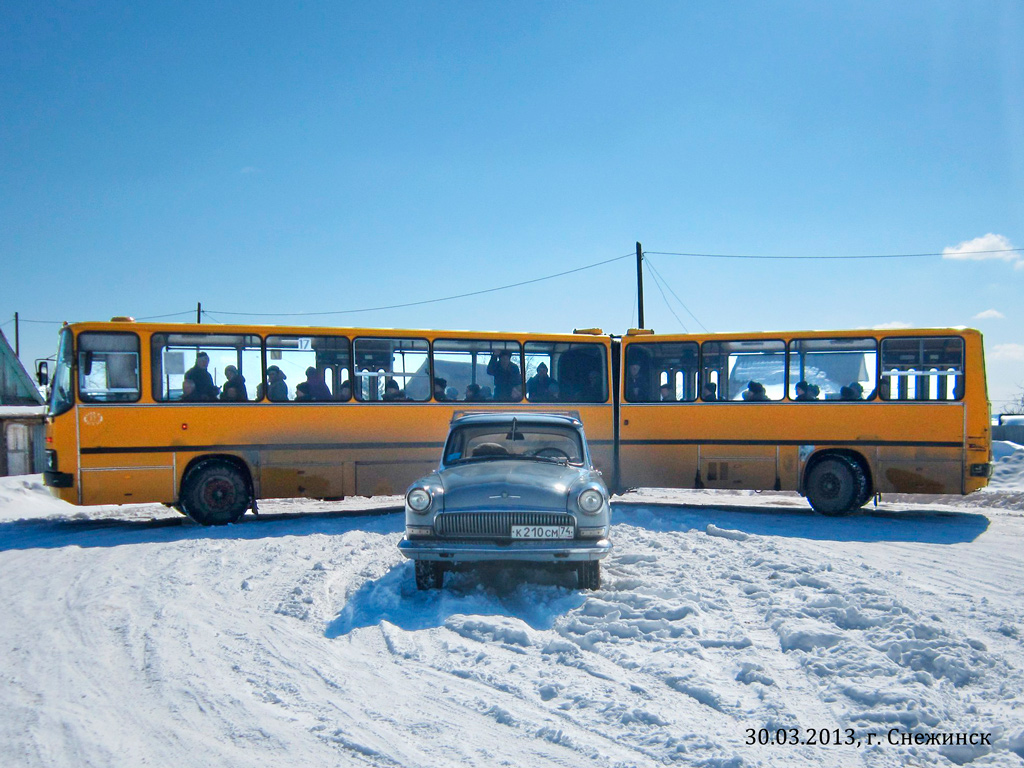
column 131, row 637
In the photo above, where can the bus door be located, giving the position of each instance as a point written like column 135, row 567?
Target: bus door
column 658, row 405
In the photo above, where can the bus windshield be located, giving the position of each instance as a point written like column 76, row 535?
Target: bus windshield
column 60, row 392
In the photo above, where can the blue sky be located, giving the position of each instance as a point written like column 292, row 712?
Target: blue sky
column 336, row 156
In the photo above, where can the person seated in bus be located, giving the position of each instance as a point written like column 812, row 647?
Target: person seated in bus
column 537, row 386
column 592, row 390
column 845, row 393
column 393, row 392
column 485, row 393
column 856, row 390
column 709, row 392
column 452, row 393
column 188, row 391
column 233, row 390
column 316, row 387
column 277, row 390
column 554, row 392
column 666, row 394
column 205, row 389
column 302, row 393
column 473, row 393
column 440, row 385
column 345, row 391
column 804, row 393
column 755, row 392
column 506, row 375
column 636, row 385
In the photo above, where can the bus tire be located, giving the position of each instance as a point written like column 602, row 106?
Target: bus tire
column 836, row 485
column 588, row 574
column 429, row 574
column 215, row 493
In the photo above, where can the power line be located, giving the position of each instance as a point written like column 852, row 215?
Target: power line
column 171, row 314
column 428, row 301
column 822, row 258
column 654, row 271
column 657, row 282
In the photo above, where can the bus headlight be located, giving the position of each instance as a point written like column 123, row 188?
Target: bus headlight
column 591, row 501
column 418, row 500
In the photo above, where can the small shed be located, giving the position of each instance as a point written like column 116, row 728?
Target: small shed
column 22, row 412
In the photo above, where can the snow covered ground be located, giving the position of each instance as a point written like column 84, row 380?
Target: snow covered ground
column 132, row 637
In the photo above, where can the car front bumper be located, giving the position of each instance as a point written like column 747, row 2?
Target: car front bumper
column 563, row 551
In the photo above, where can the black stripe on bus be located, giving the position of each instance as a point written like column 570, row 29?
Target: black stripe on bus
column 887, row 443
column 256, row 447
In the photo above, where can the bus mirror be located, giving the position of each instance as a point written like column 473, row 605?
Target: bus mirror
column 43, row 373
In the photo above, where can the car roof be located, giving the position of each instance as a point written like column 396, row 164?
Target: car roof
column 505, row 417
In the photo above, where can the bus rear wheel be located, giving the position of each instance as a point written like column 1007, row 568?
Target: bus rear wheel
column 836, row 485
column 215, row 493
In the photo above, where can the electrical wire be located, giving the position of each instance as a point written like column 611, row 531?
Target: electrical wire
column 654, row 271
column 821, row 258
column 427, row 301
column 171, row 314
column 657, row 282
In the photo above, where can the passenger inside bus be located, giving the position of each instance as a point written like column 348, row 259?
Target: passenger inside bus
column 806, row 392
column 345, row 391
column 393, row 392
column 440, row 385
column 667, row 396
column 234, row 388
column 538, row 387
column 709, row 392
column 473, row 394
column 316, row 387
column 755, row 393
column 506, row 375
column 277, row 390
column 198, row 374
column 636, row 386
column 302, row 394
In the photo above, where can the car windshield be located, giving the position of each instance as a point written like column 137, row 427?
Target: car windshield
column 514, row 440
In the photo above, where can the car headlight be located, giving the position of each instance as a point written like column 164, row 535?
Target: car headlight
column 591, row 501
column 418, row 500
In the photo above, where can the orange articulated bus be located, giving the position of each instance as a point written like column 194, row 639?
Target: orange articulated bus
column 837, row 415
column 212, row 418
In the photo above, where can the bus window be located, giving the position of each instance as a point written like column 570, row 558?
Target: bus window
column 930, row 368
column 327, row 356
column 463, row 363
column 180, row 360
column 661, row 363
column 392, row 370
column 745, row 367
column 580, row 370
column 840, row 369
column 108, row 367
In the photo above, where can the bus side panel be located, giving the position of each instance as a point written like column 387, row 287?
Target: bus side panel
column 119, row 463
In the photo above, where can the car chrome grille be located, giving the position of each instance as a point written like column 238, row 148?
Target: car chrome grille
column 493, row 525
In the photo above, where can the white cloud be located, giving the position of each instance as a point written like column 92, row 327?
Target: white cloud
column 990, row 314
column 895, row 325
column 1007, row 352
column 985, row 248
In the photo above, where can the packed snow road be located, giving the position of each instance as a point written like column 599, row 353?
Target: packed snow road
column 132, row 637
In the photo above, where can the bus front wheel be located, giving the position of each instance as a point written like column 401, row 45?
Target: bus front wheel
column 215, row 493
column 836, row 485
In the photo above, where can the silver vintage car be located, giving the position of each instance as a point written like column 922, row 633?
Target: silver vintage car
column 512, row 487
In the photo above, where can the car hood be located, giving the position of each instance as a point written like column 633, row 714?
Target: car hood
column 508, row 484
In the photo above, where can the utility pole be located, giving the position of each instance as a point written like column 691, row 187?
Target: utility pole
column 17, row 338
column 640, row 285
column 199, row 313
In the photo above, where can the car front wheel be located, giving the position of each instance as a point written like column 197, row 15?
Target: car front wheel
column 588, row 574
column 429, row 575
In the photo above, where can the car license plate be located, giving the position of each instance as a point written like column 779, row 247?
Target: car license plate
column 543, row 532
